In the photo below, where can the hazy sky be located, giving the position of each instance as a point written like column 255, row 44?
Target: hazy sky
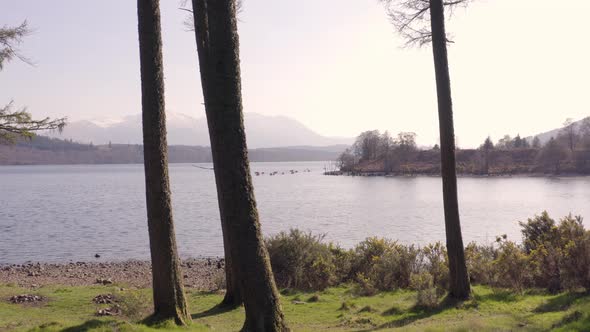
column 517, row 66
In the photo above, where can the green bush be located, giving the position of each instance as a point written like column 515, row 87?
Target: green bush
column 344, row 260
column 552, row 256
column 479, row 261
column 364, row 286
column 575, row 245
column 302, row 261
column 558, row 254
column 367, row 253
column 382, row 264
column 538, row 230
column 433, row 260
column 426, row 295
column 395, row 267
column 510, row 267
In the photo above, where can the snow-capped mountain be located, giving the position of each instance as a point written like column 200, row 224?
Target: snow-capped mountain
column 262, row 131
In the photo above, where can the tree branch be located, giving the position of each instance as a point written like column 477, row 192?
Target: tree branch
column 412, row 20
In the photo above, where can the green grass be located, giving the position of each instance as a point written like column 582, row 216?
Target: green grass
column 71, row 309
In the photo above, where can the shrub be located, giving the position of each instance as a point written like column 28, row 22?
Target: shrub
column 426, row 295
column 559, row 254
column 364, row 286
column 545, row 262
column 383, row 265
column 367, row 253
column 394, row 268
column 134, row 304
column 575, row 242
column 344, row 260
column 538, row 230
column 510, row 266
column 301, row 260
column 552, row 255
column 434, row 260
column 479, row 261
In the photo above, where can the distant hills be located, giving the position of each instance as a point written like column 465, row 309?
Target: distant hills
column 546, row 136
column 262, row 131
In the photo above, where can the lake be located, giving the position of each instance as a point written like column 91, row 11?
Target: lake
column 63, row 213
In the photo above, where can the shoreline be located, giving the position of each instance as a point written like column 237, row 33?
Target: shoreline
column 459, row 175
column 198, row 273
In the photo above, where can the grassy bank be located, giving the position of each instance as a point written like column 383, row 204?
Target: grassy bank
column 338, row 309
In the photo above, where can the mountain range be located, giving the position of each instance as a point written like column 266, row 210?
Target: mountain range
column 262, row 131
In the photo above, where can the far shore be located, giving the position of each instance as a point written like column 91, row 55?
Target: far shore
column 460, row 175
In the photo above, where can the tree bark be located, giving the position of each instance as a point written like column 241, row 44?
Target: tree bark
column 459, row 280
column 218, row 49
column 168, row 292
column 233, row 297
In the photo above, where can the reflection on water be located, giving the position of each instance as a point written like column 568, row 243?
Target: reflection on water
column 62, row 213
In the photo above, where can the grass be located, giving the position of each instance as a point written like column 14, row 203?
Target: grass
column 71, row 309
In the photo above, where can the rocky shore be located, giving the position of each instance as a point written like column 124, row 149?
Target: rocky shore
column 203, row 274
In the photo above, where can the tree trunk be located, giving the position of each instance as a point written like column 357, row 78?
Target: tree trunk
column 487, row 161
column 233, row 297
column 459, row 280
column 169, row 299
column 218, row 49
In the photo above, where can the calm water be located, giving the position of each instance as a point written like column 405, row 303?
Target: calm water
column 62, row 213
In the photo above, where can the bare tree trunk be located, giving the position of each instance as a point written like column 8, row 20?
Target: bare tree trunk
column 218, row 48
column 233, row 297
column 486, row 161
column 459, row 287
column 169, row 299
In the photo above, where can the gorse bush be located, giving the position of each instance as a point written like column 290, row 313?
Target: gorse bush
column 509, row 269
column 538, row 231
column 395, row 267
column 384, row 264
column 427, row 295
column 367, row 253
column 559, row 253
column 575, row 266
column 302, row 260
column 553, row 255
column 479, row 261
column 434, row 261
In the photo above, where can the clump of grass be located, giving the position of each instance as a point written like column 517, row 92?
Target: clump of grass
column 568, row 319
column 288, row 291
column 392, row 311
column 367, row 308
column 347, row 306
column 313, row 298
column 134, row 305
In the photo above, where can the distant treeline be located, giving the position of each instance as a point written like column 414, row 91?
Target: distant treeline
column 42, row 150
column 379, row 153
